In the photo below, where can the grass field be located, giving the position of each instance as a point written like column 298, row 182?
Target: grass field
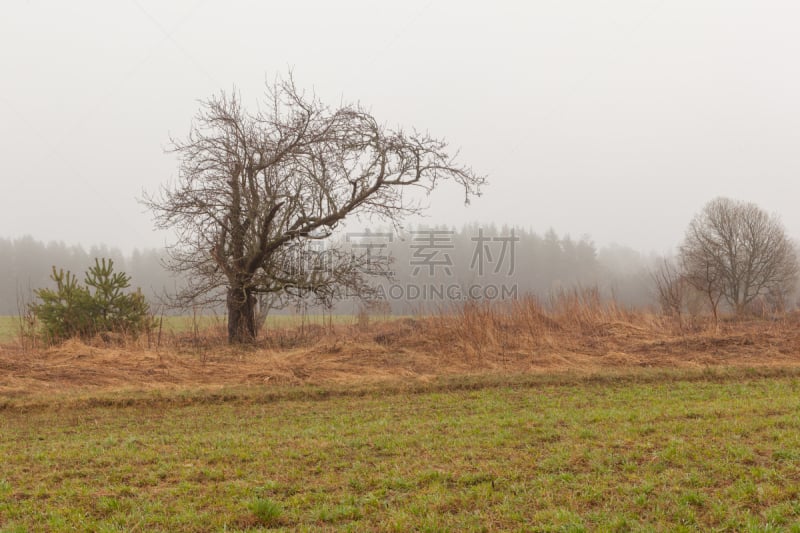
column 673, row 451
column 9, row 328
column 9, row 325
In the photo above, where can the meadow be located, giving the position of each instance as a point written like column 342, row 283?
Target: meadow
column 673, row 450
column 9, row 328
column 580, row 416
column 9, row 324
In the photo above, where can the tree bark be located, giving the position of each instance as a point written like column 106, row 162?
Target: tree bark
column 241, row 315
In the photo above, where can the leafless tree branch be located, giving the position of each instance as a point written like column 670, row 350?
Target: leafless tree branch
column 255, row 188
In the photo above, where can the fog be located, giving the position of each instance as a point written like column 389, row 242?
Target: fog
column 430, row 269
column 617, row 120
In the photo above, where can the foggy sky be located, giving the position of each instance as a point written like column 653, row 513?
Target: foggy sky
column 615, row 119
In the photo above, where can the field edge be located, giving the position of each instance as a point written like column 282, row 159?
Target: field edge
column 254, row 394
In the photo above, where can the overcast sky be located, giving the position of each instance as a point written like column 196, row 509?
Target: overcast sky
column 615, row 119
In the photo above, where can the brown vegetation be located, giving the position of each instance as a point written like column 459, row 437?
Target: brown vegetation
column 575, row 332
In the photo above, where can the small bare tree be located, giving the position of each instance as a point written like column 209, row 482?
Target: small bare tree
column 735, row 251
column 670, row 287
column 257, row 190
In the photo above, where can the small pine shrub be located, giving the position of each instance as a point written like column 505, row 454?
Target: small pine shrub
column 99, row 305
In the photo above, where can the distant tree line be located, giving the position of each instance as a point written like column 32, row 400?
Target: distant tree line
column 435, row 266
column 27, row 264
column 445, row 262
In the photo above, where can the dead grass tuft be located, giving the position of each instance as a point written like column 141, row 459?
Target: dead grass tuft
column 573, row 331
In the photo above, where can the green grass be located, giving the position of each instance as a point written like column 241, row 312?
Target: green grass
column 187, row 323
column 720, row 451
column 9, row 325
column 9, row 328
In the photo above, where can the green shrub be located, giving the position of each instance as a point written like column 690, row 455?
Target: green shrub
column 98, row 306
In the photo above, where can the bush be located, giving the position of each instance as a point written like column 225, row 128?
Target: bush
column 98, row 306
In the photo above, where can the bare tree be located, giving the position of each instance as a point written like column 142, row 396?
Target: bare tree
column 736, row 251
column 670, row 285
column 258, row 190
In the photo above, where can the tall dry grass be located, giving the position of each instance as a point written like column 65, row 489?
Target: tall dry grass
column 578, row 319
column 566, row 319
column 571, row 331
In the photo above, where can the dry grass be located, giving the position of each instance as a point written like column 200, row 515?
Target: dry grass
column 574, row 331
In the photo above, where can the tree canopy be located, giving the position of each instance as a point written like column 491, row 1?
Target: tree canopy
column 735, row 251
column 256, row 189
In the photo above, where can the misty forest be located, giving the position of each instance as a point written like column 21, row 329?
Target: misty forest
column 542, row 263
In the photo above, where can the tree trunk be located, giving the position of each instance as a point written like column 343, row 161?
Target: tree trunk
column 241, row 316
